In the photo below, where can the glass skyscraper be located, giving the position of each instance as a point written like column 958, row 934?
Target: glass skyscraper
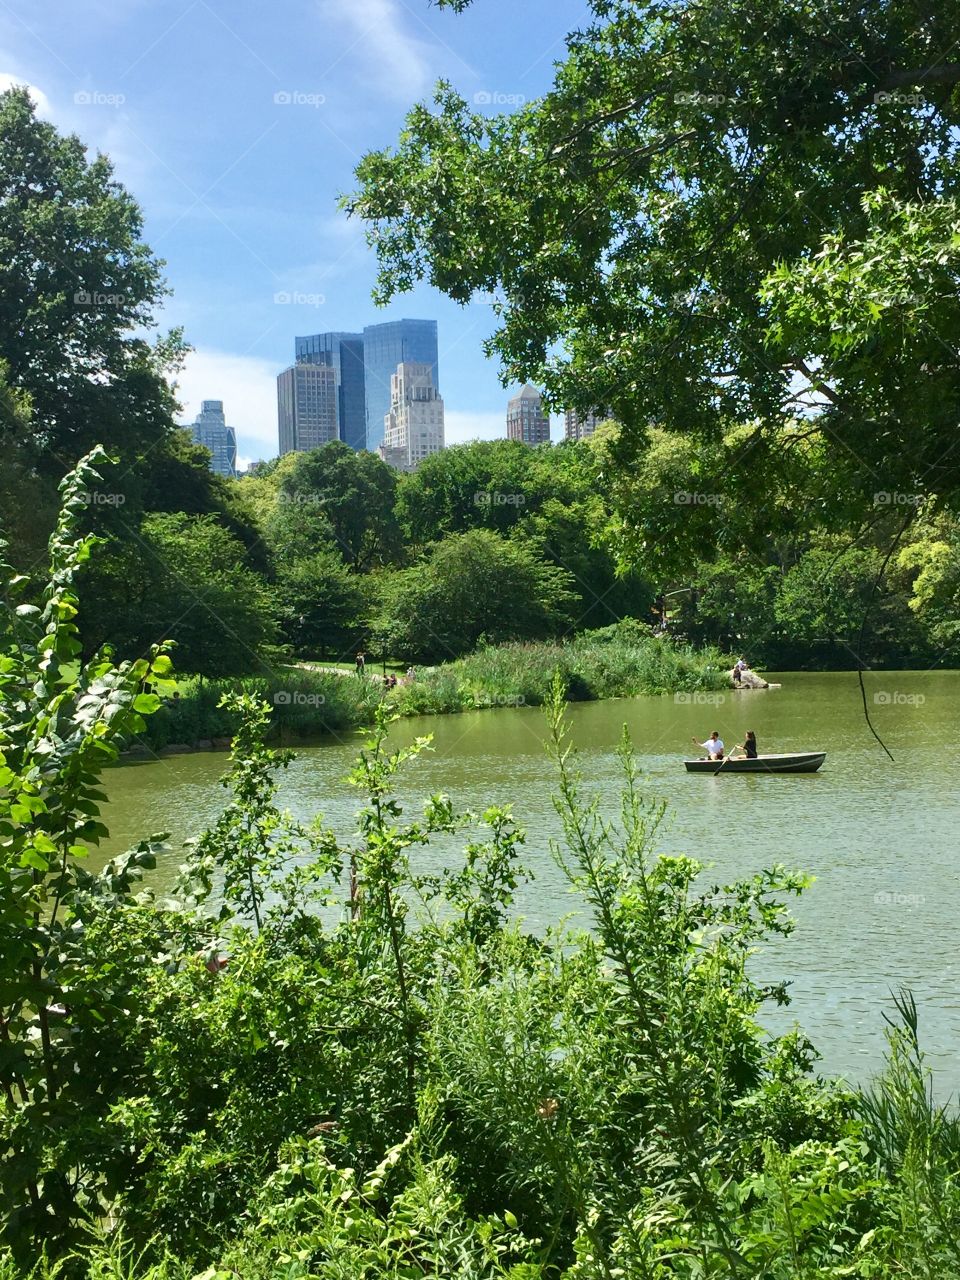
column 343, row 352
column 211, row 430
column 384, row 347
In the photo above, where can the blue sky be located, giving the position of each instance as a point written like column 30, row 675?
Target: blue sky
column 237, row 125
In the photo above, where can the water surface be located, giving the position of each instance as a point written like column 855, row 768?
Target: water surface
column 881, row 838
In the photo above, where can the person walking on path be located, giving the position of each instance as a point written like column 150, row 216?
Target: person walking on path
column 361, row 663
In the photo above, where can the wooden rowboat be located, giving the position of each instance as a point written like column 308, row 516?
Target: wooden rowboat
column 797, row 762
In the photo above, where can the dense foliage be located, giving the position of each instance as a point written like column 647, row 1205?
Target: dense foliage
column 313, row 1060
column 719, row 216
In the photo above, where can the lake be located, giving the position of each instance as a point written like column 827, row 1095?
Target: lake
column 880, row 837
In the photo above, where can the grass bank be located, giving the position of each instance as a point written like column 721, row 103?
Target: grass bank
column 619, row 661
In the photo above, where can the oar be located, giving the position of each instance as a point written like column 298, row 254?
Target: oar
column 728, row 756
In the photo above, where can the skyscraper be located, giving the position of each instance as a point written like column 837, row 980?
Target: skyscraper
column 384, row 347
column 579, row 425
column 344, row 353
column 307, row 406
column 413, row 428
column 526, row 420
column 211, row 430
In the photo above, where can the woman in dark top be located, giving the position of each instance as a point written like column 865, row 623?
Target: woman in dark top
column 749, row 745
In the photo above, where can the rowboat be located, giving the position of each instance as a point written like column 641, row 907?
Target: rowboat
column 798, row 762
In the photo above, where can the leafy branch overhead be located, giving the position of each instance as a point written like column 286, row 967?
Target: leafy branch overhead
column 697, row 226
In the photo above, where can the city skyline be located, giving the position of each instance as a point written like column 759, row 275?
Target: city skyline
column 256, row 247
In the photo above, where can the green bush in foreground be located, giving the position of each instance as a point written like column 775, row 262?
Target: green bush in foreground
column 313, row 1061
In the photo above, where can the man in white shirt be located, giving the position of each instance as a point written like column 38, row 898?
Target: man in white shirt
column 713, row 746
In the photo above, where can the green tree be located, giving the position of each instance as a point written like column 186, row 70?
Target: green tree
column 185, row 579
column 471, row 586
column 322, row 606
column 688, row 159
column 77, row 289
column 335, row 493
column 487, row 484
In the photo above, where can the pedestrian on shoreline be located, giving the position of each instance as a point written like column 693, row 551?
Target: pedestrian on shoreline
column 361, row 663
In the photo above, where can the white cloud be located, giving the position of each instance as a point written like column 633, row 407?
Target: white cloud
column 39, row 98
column 374, row 34
column 247, row 385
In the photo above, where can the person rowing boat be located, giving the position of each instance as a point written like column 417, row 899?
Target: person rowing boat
column 748, row 746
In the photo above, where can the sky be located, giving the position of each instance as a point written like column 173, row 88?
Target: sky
column 238, row 125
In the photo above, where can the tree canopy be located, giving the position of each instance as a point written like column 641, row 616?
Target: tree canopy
column 718, row 217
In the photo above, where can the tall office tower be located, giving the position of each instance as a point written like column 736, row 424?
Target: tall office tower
column 306, row 406
column 579, row 425
column 344, row 353
column 526, row 420
column 211, row 430
column 384, row 347
column 413, row 429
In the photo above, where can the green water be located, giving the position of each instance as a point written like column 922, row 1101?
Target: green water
column 880, row 837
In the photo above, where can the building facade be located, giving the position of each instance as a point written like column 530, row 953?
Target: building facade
column 413, row 427
column 210, row 429
column 526, row 420
column 307, row 406
column 385, row 346
column 578, row 425
column 343, row 352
